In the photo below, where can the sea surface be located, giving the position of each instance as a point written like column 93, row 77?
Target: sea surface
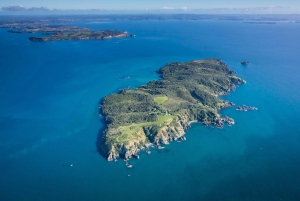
column 49, row 122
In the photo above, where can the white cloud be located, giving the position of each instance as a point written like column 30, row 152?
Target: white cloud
column 168, row 8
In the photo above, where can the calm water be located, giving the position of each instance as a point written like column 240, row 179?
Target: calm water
column 49, row 115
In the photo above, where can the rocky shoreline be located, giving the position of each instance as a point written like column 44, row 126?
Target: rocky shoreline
column 246, row 108
column 174, row 134
column 126, row 155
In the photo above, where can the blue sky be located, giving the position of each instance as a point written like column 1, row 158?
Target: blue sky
column 149, row 4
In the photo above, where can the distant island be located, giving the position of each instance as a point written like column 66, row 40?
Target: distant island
column 83, row 35
column 65, row 32
column 162, row 110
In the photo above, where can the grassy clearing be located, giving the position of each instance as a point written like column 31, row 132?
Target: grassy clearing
column 134, row 131
column 160, row 99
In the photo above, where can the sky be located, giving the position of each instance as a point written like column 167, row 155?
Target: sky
column 8, row 7
column 151, row 4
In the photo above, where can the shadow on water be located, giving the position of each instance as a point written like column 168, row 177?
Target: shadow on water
column 100, row 133
column 100, row 139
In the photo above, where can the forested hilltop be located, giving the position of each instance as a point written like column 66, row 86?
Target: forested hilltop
column 161, row 111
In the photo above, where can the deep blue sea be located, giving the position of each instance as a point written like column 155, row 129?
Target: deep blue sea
column 49, row 115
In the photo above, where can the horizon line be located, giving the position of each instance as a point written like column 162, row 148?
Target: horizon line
column 16, row 9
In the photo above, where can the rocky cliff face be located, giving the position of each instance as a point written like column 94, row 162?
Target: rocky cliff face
column 173, row 131
column 162, row 110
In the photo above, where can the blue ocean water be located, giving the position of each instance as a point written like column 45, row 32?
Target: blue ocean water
column 49, row 115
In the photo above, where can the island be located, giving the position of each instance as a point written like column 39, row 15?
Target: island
column 66, row 32
column 162, row 110
column 82, row 35
column 245, row 63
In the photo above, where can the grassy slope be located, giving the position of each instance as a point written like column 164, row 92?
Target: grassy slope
column 159, row 100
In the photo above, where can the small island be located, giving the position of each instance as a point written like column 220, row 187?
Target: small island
column 162, row 110
column 245, row 63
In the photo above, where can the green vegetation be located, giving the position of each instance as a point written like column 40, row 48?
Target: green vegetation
column 160, row 99
column 132, row 131
column 160, row 111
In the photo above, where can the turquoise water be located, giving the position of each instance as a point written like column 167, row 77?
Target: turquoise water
column 49, row 115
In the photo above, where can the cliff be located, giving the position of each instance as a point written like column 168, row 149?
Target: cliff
column 161, row 110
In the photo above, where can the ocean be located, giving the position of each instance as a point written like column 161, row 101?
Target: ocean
column 50, row 95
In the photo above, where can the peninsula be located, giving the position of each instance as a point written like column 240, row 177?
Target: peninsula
column 162, row 110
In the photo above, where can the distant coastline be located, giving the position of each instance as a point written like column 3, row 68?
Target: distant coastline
column 259, row 22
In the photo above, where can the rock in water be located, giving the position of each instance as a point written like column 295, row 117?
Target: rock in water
column 245, row 63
